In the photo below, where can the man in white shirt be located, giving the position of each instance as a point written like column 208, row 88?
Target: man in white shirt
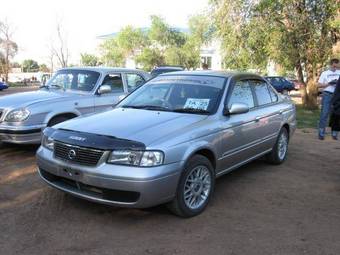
column 327, row 81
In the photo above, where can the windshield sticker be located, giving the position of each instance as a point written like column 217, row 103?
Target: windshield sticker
column 197, row 103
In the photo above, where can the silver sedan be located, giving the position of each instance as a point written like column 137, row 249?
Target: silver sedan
column 169, row 140
column 70, row 93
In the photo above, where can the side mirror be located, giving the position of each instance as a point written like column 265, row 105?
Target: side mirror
column 104, row 89
column 236, row 108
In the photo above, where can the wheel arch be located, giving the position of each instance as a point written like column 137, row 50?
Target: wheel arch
column 69, row 115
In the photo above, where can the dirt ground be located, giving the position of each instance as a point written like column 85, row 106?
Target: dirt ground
column 259, row 209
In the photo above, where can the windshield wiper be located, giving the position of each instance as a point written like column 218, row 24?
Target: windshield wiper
column 147, row 107
column 191, row 110
column 55, row 86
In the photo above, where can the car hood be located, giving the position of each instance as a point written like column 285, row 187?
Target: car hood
column 134, row 124
column 27, row 98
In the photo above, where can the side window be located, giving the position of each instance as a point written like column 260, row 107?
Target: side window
column 242, row 94
column 115, row 81
column 134, row 81
column 273, row 94
column 262, row 92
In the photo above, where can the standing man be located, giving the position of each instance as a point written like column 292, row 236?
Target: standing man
column 327, row 81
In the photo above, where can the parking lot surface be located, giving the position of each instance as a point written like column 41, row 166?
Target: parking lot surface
column 262, row 209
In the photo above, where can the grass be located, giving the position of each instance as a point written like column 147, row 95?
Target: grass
column 20, row 84
column 306, row 118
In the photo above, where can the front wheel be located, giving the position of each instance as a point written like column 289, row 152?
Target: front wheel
column 280, row 149
column 195, row 188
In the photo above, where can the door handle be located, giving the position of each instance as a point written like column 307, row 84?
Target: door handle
column 257, row 119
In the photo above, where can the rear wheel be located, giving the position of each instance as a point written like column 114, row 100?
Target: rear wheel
column 195, row 188
column 279, row 152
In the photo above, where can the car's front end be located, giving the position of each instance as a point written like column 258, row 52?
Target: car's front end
column 106, row 169
column 15, row 126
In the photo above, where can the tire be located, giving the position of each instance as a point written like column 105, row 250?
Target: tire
column 197, row 165
column 279, row 154
column 57, row 120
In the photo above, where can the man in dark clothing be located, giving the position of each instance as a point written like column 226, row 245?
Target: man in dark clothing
column 335, row 115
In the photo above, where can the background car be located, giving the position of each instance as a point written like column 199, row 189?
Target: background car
column 3, row 86
column 169, row 140
column 297, row 84
column 70, row 93
column 280, row 83
column 165, row 69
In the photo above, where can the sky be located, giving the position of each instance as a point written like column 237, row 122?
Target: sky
column 34, row 21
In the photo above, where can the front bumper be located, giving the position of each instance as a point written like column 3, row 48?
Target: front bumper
column 124, row 186
column 21, row 134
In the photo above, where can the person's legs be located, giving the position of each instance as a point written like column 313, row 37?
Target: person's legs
column 325, row 109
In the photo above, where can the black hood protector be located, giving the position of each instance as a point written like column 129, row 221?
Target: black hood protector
column 94, row 141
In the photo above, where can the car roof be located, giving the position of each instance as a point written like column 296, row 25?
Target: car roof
column 277, row 76
column 102, row 69
column 168, row 68
column 224, row 74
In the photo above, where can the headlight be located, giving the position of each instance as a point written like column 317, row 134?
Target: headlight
column 136, row 158
column 17, row 115
column 47, row 142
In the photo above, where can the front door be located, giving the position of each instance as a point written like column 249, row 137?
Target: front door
column 107, row 101
column 238, row 131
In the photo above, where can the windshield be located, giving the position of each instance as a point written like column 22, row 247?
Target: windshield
column 187, row 94
column 81, row 80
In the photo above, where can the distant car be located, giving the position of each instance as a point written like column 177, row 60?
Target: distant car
column 70, row 93
column 3, row 86
column 280, row 83
column 168, row 140
column 297, row 84
column 165, row 69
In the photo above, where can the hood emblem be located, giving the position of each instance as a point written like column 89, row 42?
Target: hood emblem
column 77, row 138
column 72, row 154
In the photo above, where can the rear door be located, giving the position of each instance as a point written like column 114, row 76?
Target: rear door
column 268, row 114
column 107, row 101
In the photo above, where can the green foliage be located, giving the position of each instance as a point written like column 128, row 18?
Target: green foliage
column 88, row 59
column 160, row 45
column 30, row 65
column 111, row 53
column 149, row 58
column 129, row 40
column 297, row 34
column 43, row 68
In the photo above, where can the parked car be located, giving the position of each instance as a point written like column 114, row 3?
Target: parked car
column 71, row 92
column 168, row 140
column 3, row 86
column 281, row 84
column 165, row 69
column 297, row 84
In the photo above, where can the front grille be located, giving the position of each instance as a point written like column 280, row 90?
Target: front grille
column 76, row 154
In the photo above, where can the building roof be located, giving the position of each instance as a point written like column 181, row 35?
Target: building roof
column 144, row 30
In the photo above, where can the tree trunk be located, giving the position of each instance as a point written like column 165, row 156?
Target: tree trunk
column 310, row 100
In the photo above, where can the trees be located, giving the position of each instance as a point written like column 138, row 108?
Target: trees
column 302, row 38
column 297, row 34
column 30, row 65
column 8, row 48
column 159, row 45
column 88, row 59
column 59, row 46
